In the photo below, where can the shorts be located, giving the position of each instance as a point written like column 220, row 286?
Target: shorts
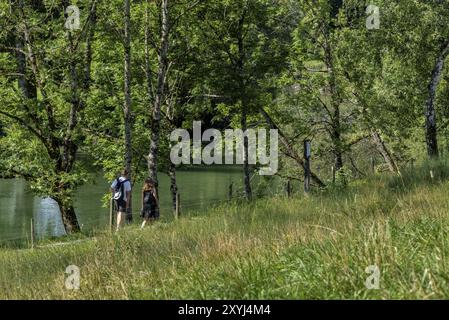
column 120, row 205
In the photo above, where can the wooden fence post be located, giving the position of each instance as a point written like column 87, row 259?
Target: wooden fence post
column 178, row 205
column 307, row 173
column 230, row 191
column 333, row 174
column 289, row 188
column 111, row 214
column 32, row 233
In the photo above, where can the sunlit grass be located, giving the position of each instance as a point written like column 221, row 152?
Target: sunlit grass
column 299, row 248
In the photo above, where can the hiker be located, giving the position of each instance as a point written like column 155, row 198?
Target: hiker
column 150, row 203
column 121, row 190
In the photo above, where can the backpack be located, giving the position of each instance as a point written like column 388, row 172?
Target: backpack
column 118, row 190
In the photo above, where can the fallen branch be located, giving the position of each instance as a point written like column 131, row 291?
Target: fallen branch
column 291, row 151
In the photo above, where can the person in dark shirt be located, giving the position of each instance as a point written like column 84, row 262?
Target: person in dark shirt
column 121, row 191
column 150, row 203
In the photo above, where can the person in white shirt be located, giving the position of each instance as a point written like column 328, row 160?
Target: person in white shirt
column 121, row 190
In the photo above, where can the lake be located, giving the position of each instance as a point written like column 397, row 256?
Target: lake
column 199, row 188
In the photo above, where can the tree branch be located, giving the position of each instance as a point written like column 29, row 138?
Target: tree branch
column 22, row 122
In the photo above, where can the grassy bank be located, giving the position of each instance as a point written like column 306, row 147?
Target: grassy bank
column 313, row 247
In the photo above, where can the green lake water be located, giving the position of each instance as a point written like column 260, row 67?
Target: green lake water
column 199, row 188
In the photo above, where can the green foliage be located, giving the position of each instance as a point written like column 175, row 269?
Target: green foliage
column 313, row 66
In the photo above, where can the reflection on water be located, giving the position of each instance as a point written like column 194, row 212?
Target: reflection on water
column 198, row 188
column 47, row 217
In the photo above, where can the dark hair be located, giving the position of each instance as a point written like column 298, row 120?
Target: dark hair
column 124, row 172
column 148, row 185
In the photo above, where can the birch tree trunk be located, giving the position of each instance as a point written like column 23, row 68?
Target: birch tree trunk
column 246, row 171
column 430, row 113
column 127, row 102
column 159, row 98
column 244, row 102
column 173, row 184
column 172, row 102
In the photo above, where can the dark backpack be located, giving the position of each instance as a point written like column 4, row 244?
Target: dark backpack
column 119, row 193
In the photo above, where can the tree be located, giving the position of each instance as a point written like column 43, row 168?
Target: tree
column 317, row 76
column 127, row 94
column 246, row 45
column 425, row 42
column 43, row 134
column 160, row 92
column 430, row 113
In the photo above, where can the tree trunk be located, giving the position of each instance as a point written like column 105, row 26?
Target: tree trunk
column 69, row 148
column 244, row 111
column 173, row 184
column 61, row 147
column 21, row 68
column 25, row 85
column 430, row 113
column 336, row 139
column 383, row 150
column 171, row 166
column 335, row 118
column 246, row 171
column 127, row 102
column 148, row 74
column 161, row 78
column 88, row 54
column 68, row 215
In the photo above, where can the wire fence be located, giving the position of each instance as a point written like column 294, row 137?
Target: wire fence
column 103, row 220
column 21, row 238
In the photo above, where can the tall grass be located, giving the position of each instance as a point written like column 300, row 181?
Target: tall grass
column 314, row 247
